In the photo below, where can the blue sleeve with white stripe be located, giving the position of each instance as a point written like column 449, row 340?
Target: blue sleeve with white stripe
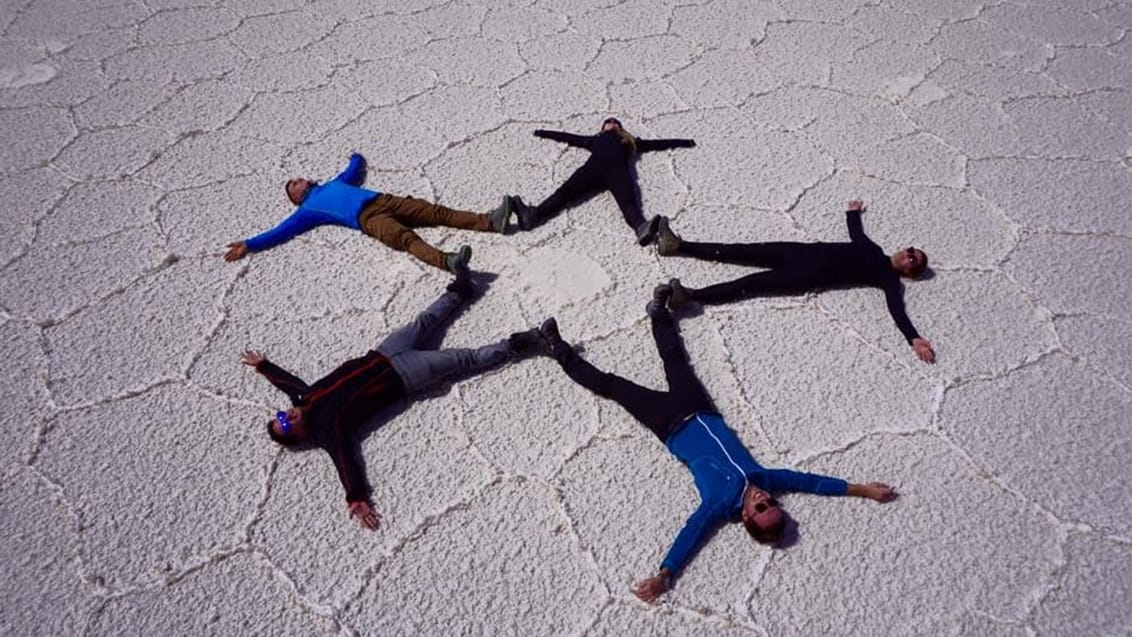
column 787, row 480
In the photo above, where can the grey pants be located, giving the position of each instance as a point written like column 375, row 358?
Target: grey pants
column 422, row 369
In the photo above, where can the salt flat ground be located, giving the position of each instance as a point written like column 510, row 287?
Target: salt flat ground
column 140, row 494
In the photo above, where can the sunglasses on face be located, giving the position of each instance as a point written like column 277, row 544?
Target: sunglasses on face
column 611, row 120
column 765, row 505
column 284, row 422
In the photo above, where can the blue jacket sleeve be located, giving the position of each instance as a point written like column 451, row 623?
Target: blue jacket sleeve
column 299, row 222
column 355, row 173
column 787, row 480
column 689, row 539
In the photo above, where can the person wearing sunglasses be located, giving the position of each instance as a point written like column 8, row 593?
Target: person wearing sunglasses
column 609, row 167
column 731, row 483
column 388, row 218
column 327, row 413
column 798, row 268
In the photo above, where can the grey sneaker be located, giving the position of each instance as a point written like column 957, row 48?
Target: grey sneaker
column 458, row 260
column 646, row 232
column 680, row 297
column 667, row 241
column 501, row 216
column 526, row 215
column 660, row 296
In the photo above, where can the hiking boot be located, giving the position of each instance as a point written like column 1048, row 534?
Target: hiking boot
column 526, row 215
column 559, row 348
column 458, row 260
column 660, row 296
column 501, row 216
column 462, row 285
column 680, row 297
column 528, row 343
column 646, row 232
column 667, row 241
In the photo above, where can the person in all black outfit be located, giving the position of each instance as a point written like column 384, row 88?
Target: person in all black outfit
column 329, row 411
column 797, row 268
column 608, row 168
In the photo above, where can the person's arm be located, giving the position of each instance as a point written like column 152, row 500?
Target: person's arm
column 853, row 221
column 697, row 527
column 350, row 473
column 645, row 145
column 355, row 173
column 788, row 480
column 580, row 141
column 894, row 298
column 283, row 380
column 299, row 222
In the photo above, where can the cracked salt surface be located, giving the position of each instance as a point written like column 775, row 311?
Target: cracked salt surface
column 138, row 491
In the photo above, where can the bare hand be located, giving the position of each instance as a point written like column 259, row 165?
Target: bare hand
column 856, row 206
column 252, row 358
column 650, row 589
column 365, row 514
column 879, row 491
column 923, row 349
column 236, row 251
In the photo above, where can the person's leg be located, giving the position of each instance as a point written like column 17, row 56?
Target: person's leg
column 687, row 391
column 423, row 369
column 423, row 327
column 585, row 182
column 624, row 191
column 780, row 282
column 764, row 255
column 420, row 213
column 378, row 222
column 651, row 408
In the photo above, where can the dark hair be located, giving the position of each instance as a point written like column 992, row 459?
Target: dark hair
column 285, row 440
column 919, row 269
column 766, row 536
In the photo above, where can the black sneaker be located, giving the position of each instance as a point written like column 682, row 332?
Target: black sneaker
column 680, row 297
column 458, row 260
column 462, row 285
column 549, row 331
column 528, row 342
column 667, row 241
column 527, row 216
column 646, row 232
column 660, row 296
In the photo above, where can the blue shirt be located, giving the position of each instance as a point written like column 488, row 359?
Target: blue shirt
column 722, row 468
column 338, row 202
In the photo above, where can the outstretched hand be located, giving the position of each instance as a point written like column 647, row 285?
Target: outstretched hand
column 236, row 250
column 856, row 206
column 878, row 491
column 923, row 349
column 252, row 358
column 649, row 589
column 365, row 514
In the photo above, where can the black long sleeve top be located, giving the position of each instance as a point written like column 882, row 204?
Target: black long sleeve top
column 339, row 403
column 607, row 144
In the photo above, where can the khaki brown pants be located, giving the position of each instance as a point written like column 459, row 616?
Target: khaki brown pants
column 388, row 219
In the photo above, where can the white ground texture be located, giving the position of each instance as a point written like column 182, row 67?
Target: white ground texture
column 139, row 494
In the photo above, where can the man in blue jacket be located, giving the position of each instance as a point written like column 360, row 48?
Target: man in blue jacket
column 731, row 484
column 343, row 202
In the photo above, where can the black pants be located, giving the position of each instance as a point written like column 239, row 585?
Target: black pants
column 660, row 411
column 595, row 176
column 796, row 269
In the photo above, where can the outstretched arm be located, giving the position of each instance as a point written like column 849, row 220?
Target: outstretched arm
column 342, row 451
column 894, row 298
column 299, row 222
column 355, row 173
column 697, row 527
column 645, row 145
column 853, row 220
column 283, row 380
column 580, row 141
